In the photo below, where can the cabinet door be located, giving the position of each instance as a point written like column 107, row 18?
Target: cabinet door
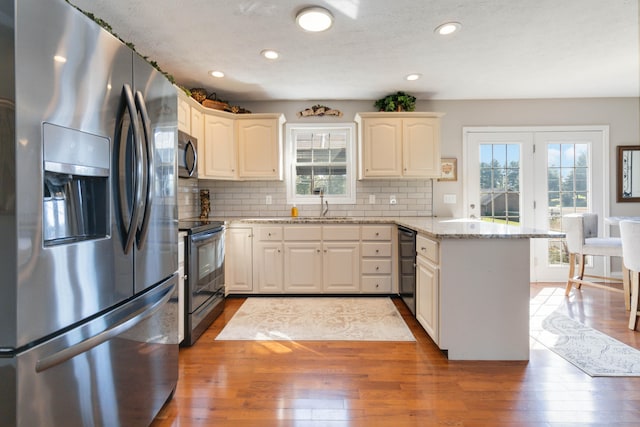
column 268, row 267
column 239, row 260
column 421, row 147
column 184, row 114
column 382, row 147
column 258, row 148
column 197, row 126
column 340, row 267
column 427, row 297
column 302, row 267
column 219, row 149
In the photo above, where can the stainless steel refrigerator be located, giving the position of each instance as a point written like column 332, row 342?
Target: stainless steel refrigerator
column 88, row 224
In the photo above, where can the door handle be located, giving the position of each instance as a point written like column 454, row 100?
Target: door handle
column 128, row 218
column 148, row 168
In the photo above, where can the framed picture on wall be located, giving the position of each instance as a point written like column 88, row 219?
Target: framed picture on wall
column 448, row 169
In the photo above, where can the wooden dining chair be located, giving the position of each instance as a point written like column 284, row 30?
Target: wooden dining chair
column 630, row 235
column 582, row 239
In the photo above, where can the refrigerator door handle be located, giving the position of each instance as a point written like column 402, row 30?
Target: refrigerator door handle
column 152, row 303
column 149, row 173
column 128, row 220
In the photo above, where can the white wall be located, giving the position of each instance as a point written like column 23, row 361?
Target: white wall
column 622, row 115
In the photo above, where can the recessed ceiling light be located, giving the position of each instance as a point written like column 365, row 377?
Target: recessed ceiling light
column 412, row 77
column 448, row 28
column 270, row 54
column 216, row 73
column 314, row 19
column 59, row 58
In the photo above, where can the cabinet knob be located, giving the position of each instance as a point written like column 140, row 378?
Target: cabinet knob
column 377, row 251
column 377, row 234
column 318, row 250
column 273, row 170
column 423, row 249
column 377, row 285
column 269, row 234
column 377, row 268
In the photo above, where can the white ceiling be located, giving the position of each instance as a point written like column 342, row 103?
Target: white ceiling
column 507, row 49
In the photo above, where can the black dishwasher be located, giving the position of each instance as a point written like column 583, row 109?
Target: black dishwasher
column 407, row 270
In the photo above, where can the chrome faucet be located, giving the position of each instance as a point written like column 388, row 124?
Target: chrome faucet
column 324, row 204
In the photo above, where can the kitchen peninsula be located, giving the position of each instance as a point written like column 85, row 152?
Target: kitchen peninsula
column 472, row 276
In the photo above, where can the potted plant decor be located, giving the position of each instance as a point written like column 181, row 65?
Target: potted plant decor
column 399, row 101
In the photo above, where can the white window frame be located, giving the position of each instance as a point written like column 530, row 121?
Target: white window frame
column 292, row 197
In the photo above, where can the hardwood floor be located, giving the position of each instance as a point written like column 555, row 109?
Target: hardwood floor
column 229, row 383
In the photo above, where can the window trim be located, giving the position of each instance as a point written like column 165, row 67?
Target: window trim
column 292, row 198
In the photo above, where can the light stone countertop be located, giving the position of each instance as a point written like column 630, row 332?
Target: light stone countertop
column 436, row 227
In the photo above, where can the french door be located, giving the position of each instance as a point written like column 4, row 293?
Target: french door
column 532, row 177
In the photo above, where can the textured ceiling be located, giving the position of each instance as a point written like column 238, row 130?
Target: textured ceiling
column 507, row 49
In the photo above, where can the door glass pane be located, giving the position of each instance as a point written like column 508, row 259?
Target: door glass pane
column 500, row 183
column 567, row 190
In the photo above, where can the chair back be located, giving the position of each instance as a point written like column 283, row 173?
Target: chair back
column 630, row 235
column 578, row 227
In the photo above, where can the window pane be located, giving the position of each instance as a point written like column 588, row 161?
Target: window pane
column 499, row 155
column 553, row 155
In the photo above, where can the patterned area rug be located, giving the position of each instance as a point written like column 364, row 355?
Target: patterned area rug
column 317, row 319
column 595, row 353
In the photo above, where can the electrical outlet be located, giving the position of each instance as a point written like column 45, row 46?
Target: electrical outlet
column 372, row 199
column 392, row 200
column 269, row 200
column 450, row 199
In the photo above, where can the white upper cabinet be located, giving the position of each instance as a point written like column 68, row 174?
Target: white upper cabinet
column 217, row 153
column 184, row 112
column 260, row 146
column 396, row 145
column 233, row 146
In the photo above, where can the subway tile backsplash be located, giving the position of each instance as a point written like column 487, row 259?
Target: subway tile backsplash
column 248, row 199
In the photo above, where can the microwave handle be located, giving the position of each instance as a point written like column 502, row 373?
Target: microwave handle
column 190, row 146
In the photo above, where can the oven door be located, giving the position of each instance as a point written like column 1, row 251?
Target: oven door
column 205, row 264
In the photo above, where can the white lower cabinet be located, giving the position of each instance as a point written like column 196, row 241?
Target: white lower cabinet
column 310, row 259
column 340, row 267
column 377, row 260
column 239, row 260
column 268, row 259
column 428, row 286
column 302, row 267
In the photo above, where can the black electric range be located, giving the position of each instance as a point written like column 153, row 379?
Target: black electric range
column 204, row 275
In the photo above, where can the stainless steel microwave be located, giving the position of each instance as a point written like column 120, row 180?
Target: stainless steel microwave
column 187, row 156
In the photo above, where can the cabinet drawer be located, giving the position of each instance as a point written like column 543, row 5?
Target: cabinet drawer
column 376, row 266
column 376, row 249
column 341, row 232
column 376, row 284
column 376, row 232
column 267, row 234
column 303, row 232
column 427, row 248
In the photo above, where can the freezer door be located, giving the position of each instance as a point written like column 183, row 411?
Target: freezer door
column 117, row 370
column 157, row 233
column 54, row 284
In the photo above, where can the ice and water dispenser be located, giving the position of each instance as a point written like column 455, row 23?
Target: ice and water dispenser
column 75, row 184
